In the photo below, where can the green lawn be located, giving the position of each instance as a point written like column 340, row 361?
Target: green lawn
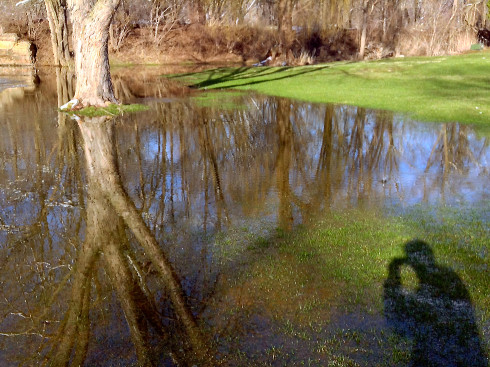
column 447, row 89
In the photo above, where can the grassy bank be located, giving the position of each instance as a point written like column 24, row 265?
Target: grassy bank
column 452, row 88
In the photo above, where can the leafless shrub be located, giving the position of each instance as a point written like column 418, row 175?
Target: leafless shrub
column 35, row 15
column 24, row 20
column 443, row 28
column 120, row 28
column 249, row 42
column 164, row 16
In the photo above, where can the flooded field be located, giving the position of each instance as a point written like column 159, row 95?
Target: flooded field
column 227, row 229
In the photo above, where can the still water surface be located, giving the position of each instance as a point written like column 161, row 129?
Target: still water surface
column 111, row 228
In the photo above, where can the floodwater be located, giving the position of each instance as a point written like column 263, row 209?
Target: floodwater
column 112, row 230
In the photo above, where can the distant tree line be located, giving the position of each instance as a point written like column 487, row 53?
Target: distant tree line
column 380, row 27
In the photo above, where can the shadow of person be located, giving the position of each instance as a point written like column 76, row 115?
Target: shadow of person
column 438, row 315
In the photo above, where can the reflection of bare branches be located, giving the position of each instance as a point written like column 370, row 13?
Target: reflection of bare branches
column 76, row 318
column 441, row 136
column 275, row 159
column 142, row 182
column 209, row 153
column 107, row 202
column 327, row 172
column 451, row 152
column 283, row 163
column 452, row 149
column 356, row 152
column 109, row 211
column 68, row 160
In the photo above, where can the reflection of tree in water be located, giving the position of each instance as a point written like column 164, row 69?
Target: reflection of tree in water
column 108, row 211
column 212, row 169
column 36, row 293
column 357, row 151
column 41, row 211
column 283, row 164
column 438, row 316
column 299, row 158
column 452, row 151
column 39, row 247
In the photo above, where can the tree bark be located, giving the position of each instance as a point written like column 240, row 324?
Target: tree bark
column 58, row 26
column 285, row 20
column 362, row 43
column 91, row 22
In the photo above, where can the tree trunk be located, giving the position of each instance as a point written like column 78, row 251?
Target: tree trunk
column 285, row 21
column 416, row 11
column 283, row 165
column 58, row 26
column 362, row 43
column 91, row 43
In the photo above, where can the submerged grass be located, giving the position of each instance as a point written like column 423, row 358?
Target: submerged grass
column 303, row 280
column 347, row 255
column 451, row 88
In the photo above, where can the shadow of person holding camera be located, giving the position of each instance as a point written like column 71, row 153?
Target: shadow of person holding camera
column 438, row 315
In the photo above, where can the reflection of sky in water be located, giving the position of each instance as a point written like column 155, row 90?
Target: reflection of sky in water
column 182, row 161
column 363, row 164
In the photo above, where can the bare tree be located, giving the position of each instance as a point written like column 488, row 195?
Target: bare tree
column 56, row 12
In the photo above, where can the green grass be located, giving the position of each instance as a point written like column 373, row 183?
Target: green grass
column 452, row 88
column 341, row 260
column 111, row 110
column 353, row 249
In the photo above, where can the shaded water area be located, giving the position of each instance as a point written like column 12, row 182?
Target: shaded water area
column 137, row 240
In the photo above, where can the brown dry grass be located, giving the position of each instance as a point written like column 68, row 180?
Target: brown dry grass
column 432, row 43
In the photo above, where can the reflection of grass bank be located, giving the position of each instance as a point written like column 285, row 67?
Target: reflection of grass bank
column 454, row 88
column 299, row 284
column 221, row 100
column 110, row 110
